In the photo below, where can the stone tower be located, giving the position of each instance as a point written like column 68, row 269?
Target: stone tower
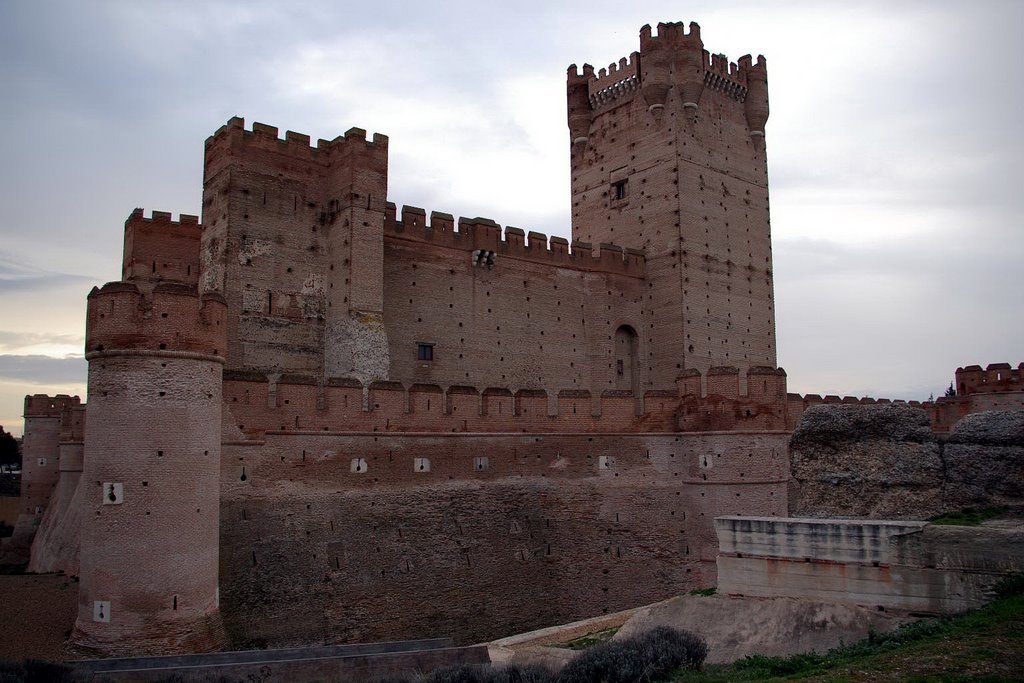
column 55, row 547
column 151, row 484
column 40, row 462
column 294, row 240
column 668, row 155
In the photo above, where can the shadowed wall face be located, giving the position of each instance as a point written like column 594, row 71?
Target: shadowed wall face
column 350, row 538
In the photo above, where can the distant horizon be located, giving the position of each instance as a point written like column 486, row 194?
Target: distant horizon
column 892, row 158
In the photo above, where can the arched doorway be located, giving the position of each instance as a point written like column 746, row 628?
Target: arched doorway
column 627, row 371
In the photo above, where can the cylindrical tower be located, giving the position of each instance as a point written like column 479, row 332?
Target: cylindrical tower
column 150, row 485
column 55, row 547
column 691, row 67
column 577, row 91
column 654, row 76
column 40, row 462
column 756, row 103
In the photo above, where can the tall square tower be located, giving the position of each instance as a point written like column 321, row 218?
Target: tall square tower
column 668, row 156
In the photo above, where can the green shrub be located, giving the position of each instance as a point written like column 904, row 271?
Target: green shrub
column 1008, row 586
column 767, row 667
column 968, row 516
column 650, row 656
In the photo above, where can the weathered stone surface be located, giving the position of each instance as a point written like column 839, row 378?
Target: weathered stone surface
column 909, row 567
column 737, row 627
column 985, row 474
column 835, row 424
column 990, row 428
column 881, row 462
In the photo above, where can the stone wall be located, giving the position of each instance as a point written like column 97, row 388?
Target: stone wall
column 905, row 566
column 884, row 462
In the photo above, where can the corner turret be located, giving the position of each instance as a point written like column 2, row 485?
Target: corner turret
column 41, row 466
column 756, row 103
column 150, row 486
column 577, row 91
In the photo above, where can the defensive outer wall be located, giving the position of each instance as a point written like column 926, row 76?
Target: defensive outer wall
column 316, row 418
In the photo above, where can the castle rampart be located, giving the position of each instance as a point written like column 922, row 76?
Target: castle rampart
column 483, row 234
column 996, row 377
column 532, row 529
column 294, row 402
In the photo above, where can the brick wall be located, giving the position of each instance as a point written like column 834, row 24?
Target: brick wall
column 539, row 316
column 347, row 538
column 256, row 403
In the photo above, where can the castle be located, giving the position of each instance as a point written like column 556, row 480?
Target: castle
column 313, row 417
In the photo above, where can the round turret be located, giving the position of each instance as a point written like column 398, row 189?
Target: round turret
column 150, row 485
column 756, row 103
column 40, row 457
column 577, row 90
column 691, row 69
column 654, row 77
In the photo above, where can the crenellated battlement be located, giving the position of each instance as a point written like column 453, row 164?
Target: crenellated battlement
column 173, row 317
column 674, row 58
column 996, row 377
column 160, row 248
column 163, row 220
column 293, row 402
column 233, row 142
column 483, row 234
column 614, row 82
column 43, row 405
column 269, row 136
column 670, row 35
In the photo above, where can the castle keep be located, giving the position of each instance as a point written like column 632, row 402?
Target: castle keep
column 314, row 417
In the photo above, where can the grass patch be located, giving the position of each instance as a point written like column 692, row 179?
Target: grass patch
column 968, row 516
column 706, row 592
column 590, row 639
column 984, row 645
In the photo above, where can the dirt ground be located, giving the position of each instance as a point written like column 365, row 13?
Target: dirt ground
column 37, row 612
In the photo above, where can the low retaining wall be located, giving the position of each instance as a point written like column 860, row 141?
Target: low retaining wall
column 907, row 566
column 354, row 663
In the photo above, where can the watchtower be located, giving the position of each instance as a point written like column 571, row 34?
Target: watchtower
column 667, row 152
column 40, row 459
column 293, row 239
column 151, row 479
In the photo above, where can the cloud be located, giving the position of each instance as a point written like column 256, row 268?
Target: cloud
column 11, row 341
column 19, row 276
column 893, row 145
column 43, row 370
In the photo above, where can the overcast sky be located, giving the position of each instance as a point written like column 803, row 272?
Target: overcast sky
column 894, row 150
